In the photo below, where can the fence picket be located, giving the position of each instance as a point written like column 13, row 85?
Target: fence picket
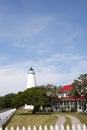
column 45, row 127
column 17, row 128
column 23, row 128
column 84, row 127
column 67, row 127
column 40, row 127
column 79, row 127
column 51, row 127
column 62, row 127
column 56, row 127
column 12, row 128
column 73, row 127
column 6, row 128
column 29, row 128
column 34, row 128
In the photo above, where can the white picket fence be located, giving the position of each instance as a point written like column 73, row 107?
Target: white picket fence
column 56, row 127
column 5, row 116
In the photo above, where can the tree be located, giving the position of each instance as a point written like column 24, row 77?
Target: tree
column 33, row 96
column 53, row 91
column 9, row 100
column 19, row 100
column 2, row 102
column 80, row 86
column 80, row 89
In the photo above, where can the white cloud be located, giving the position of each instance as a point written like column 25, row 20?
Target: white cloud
column 13, row 78
column 10, row 79
column 64, row 57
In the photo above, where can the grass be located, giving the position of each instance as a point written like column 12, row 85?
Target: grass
column 67, row 122
column 25, row 118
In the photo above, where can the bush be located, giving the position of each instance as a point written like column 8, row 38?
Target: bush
column 73, row 110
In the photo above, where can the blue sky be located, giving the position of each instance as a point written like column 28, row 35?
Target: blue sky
column 49, row 35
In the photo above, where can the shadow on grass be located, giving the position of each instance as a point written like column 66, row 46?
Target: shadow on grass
column 38, row 113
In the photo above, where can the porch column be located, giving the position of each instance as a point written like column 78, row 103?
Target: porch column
column 70, row 105
column 57, row 104
column 77, row 106
column 63, row 105
column 86, row 108
column 81, row 106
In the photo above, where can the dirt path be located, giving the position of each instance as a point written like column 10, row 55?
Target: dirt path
column 75, row 121
column 62, row 118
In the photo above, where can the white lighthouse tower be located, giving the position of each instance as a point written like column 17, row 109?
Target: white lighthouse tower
column 31, row 79
column 31, row 82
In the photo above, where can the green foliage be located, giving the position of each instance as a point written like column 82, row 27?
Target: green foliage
column 33, row 96
column 19, row 100
column 2, row 102
column 36, row 96
column 52, row 91
column 7, row 100
column 80, row 86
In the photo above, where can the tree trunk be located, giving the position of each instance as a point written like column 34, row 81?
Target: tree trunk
column 36, row 108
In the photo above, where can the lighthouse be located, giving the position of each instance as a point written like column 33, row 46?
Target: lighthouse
column 31, row 82
column 31, row 79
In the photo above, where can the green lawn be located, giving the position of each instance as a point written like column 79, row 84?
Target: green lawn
column 67, row 122
column 25, row 118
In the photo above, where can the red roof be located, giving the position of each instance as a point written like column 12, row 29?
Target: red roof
column 77, row 98
column 70, row 98
column 66, row 88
